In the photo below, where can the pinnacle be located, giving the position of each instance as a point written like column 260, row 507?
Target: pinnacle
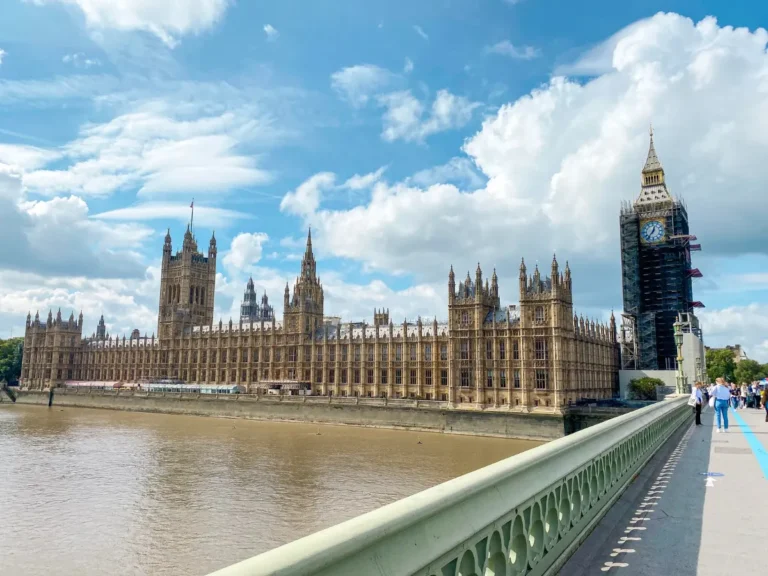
column 652, row 162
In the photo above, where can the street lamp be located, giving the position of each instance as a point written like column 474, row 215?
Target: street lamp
column 680, row 379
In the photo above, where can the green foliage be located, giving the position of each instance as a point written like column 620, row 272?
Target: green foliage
column 720, row 364
column 11, row 351
column 747, row 371
column 644, row 388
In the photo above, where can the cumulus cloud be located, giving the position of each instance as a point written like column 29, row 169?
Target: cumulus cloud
column 166, row 20
column 506, row 48
column 356, row 84
column 57, row 237
column 157, row 149
column 271, row 32
column 245, row 251
column 364, row 181
column 125, row 303
column 305, row 200
column 559, row 161
column 404, row 116
column 743, row 325
column 458, row 170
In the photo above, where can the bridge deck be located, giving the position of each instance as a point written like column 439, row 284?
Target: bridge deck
column 675, row 520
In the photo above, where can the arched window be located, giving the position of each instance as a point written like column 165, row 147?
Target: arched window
column 538, row 314
column 465, row 318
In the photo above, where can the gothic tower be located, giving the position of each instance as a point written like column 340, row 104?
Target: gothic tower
column 303, row 312
column 187, row 286
column 656, row 269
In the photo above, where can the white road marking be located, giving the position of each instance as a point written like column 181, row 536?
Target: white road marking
column 617, row 551
column 609, row 565
column 662, row 481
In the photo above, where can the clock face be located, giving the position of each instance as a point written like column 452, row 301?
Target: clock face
column 652, row 231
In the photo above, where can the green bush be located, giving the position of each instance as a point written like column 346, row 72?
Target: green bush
column 644, row 388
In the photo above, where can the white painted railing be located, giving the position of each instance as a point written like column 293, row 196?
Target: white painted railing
column 523, row 515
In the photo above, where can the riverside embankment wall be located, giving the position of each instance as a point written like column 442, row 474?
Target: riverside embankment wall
column 372, row 412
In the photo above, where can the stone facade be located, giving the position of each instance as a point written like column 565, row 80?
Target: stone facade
column 537, row 356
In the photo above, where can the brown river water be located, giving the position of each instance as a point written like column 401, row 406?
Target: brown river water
column 91, row 492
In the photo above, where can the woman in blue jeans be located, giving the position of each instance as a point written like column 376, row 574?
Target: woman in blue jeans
column 722, row 395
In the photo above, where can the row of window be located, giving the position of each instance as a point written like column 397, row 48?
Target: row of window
column 465, row 377
column 465, row 353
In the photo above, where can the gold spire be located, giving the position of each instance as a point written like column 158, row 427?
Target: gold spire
column 652, row 162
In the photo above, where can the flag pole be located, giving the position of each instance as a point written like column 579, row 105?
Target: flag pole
column 192, row 220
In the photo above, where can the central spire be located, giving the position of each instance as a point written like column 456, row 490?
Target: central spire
column 652, row 162
column 308, row 263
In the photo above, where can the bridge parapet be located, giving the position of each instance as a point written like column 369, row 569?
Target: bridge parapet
column 521, row 516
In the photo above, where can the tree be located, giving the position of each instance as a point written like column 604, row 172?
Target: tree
column 720, row 364
column 644, row 388
column 11, row 351
column 747, row 371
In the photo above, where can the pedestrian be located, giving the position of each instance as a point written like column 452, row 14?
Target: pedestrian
column 743, row 396
column 722, row 395
column 734, row 399
column 765, row 401
column 698, row 397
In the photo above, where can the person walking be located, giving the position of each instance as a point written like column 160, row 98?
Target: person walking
column 764, row 396
column 722, row 395
column 743, row 396
column 698, row 396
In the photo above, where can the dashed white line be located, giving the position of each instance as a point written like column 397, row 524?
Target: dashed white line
column 662, row 481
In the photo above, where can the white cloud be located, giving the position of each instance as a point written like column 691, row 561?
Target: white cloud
column 2, row 53
column 458, row 170
column 207, row 216
column 126, row 304
column 506, row 48
column 560, row 160
column 245, row 251
column 80, row 60
column 166, row 20
column 57, row 237
column 305, row 200
column 158, row 150
column 420, row 31
column 26, row 157
column 364, row 181
column 271, row 32
column 743, row 325
column 408, row 66
column 404, row 115
column 356, row 84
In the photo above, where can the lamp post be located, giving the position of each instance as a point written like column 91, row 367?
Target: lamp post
column 680, row 379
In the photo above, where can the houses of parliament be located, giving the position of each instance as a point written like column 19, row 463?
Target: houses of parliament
column 536, row 356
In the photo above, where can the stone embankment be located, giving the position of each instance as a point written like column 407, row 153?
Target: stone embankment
column 370, row 412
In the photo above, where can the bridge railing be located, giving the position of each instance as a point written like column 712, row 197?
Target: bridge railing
column 522, row 515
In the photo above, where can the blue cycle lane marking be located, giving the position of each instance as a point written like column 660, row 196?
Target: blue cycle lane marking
column 712, row 474
column 757, row 448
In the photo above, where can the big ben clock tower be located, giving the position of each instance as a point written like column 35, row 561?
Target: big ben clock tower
column 656, row 270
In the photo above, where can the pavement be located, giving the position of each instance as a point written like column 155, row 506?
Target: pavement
column 699, row 507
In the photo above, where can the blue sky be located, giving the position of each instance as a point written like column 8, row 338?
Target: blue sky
column 410, row 135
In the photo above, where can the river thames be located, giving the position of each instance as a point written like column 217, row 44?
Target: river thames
column 91, row 492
